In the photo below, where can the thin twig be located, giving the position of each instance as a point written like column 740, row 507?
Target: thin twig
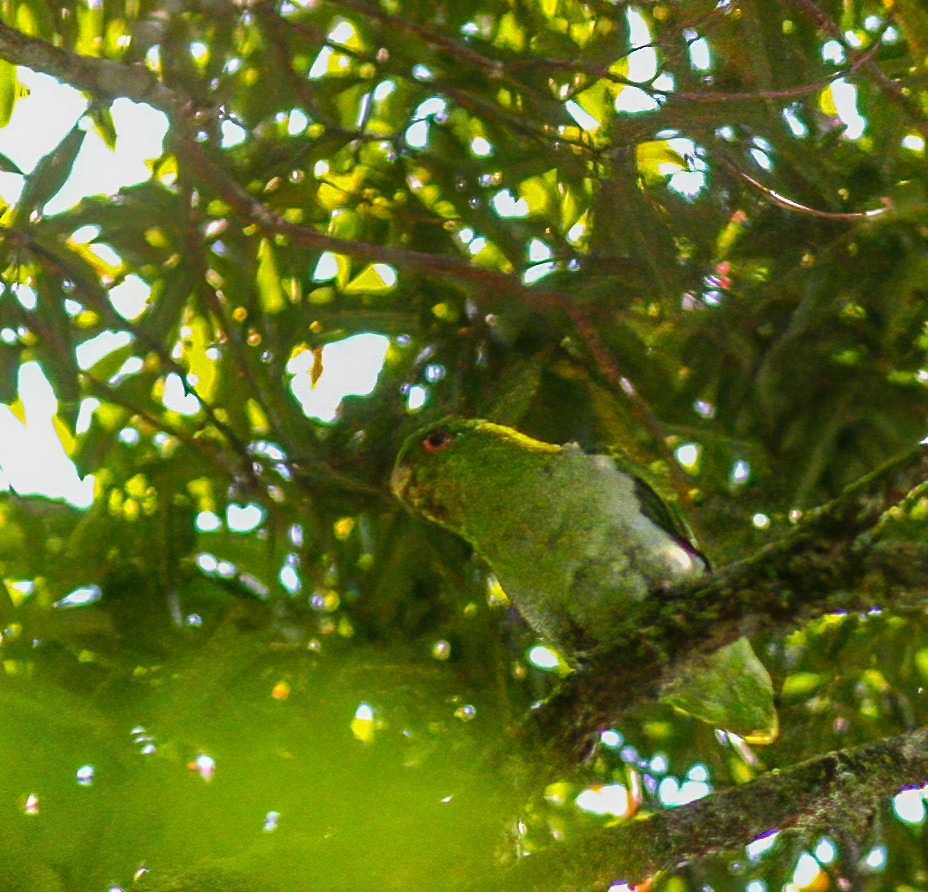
column 790, row 205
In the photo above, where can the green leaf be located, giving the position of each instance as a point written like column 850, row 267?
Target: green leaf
column 169, row 296
column 95, row 445
column 109, row 365
column 268, row 280
column 802, row 685
column 56, row 256
column 7, row 93
column 7, row 165
column 56, row 353
column 49, row 175
column 103, row 124
column 6, row 605
column 730, row 689
column 10, row 358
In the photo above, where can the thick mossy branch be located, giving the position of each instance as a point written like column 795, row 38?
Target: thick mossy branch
column 828, row 562
column 101, row 78
column 837, row 791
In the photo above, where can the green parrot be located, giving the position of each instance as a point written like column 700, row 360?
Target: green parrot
column 572, row 538
column 563, row 531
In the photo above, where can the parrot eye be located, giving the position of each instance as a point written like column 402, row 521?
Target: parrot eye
column 437, row 440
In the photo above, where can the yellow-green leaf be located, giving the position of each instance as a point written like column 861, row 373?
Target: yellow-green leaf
column 204, row 370
column 657, row 158
column 268, row 280
column 103, row 124
column 7, row 91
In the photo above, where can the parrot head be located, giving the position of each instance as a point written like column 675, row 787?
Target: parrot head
column 443, row 469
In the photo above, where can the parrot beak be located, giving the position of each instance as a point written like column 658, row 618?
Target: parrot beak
column 399, row 480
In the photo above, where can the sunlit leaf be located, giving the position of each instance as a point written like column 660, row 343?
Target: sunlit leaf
column 370, row 280
column 103, row 124
column 657, row 158
column 268, row 279
column 90, row 30
column 826, row 102
column 597, row 102
column 510, row 33
column 198, row 347
column 8, row 93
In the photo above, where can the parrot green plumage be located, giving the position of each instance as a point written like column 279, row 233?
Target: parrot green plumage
column 573, row 539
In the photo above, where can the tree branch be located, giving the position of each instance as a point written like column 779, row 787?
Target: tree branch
column 824, row 564
column 829, row 791
column 103, row 78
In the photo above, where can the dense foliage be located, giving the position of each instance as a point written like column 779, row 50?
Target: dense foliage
column 694, row 230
